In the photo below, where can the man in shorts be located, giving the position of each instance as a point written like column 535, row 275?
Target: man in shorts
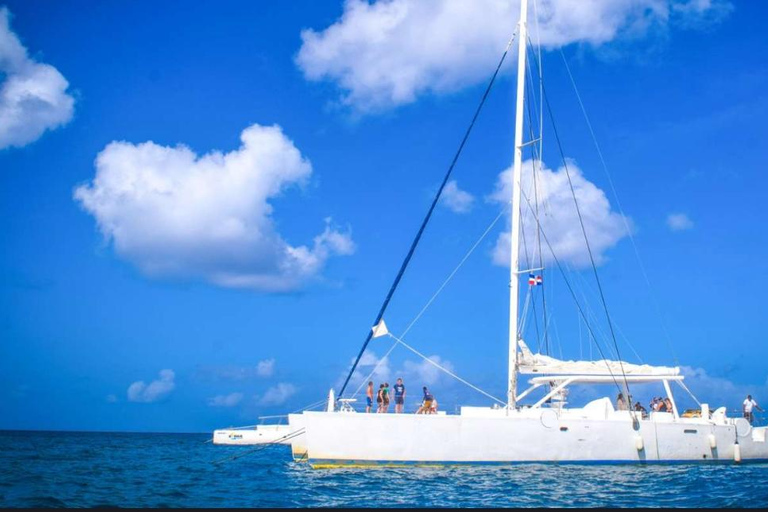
column 748, row 406
column 369, row 397
column 426, row 404
column 399, row 396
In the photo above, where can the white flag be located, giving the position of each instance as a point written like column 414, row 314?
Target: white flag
column 380, row 329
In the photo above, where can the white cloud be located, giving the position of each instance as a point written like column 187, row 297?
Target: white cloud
column 277, row 395
column 386, row 53
column 679, row 222
column 456, row 199
column 156, row 390
column 370, row 362
column 558, row 217
column 425, row 372
column 33, row 95
column 701, row 13
column 265, row 368
column 720, row 391
column 229, row 400
column 370, row 367
column 175, row 214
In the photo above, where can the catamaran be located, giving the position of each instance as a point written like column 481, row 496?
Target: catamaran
column 545, row 429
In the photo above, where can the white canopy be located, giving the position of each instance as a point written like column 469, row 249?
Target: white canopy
column 529, row 363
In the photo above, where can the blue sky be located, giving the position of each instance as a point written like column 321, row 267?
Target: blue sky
column 254, row 274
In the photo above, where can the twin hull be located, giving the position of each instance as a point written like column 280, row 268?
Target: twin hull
column 333, row 439
column 262, row 434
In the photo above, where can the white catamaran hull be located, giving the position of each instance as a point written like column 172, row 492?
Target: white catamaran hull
column 299, row 438
column 336, row 439
column 262, row 434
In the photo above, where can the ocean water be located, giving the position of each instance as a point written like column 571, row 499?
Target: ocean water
column 77, row 469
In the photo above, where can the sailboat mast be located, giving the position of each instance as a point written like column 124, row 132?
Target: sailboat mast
column 514, row 267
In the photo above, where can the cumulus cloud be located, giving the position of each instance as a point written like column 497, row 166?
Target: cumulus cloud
column 33, row 95
column 386, row 53
column 456, row 199
column 558, row 216
column 175, row 214
column 425, row 372
column 156, row 390
column 229, row 400
column 720, row 391
column 379, row 370
column 265, row 368
column 370, row 362
column 278, row 394
column 701, row 13
column 679, row 222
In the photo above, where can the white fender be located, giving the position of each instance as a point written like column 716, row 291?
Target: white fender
column 639, row 443
column 736, row 453
column 712, row 441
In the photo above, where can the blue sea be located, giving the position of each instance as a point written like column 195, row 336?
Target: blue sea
column 78, row 469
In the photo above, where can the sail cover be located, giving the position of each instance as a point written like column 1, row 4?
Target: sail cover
column 529, row 363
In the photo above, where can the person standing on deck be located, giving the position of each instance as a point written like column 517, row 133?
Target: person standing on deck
column 369, row 397
column 621, row 404
column 379, row 397
column 399, row 396
column 385, row 398
column 747, row 407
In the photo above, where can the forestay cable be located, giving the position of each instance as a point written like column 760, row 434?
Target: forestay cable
column 434, row 296
column 438, row 366
column 426, row 219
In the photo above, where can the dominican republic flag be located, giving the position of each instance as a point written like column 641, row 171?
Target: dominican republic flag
column 534, row 280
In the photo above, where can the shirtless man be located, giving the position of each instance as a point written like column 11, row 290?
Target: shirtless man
column 369, row 397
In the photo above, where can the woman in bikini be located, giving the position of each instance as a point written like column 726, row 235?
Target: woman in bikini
column 385, row 398
column 379, row 397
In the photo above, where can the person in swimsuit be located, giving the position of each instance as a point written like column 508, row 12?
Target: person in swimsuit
column 369, row 397
column 379, row 397
column 399, row 396
column 621, row 404
column 385, row 398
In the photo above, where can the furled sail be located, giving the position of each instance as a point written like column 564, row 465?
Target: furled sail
column 529, row 363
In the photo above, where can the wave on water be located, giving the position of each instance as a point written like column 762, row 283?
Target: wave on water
column 55, row 469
